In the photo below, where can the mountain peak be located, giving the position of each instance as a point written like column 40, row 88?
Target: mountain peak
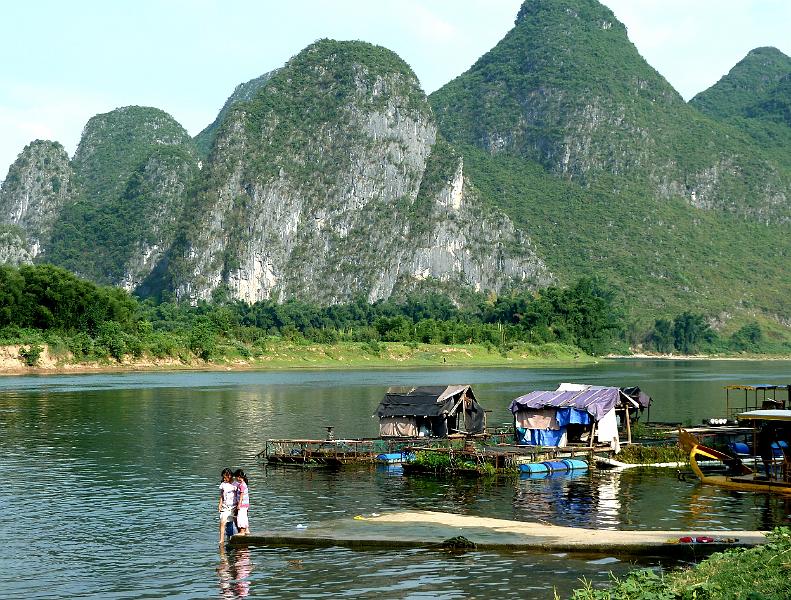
column 747, row 83
column 590, row 12
column 566, row 70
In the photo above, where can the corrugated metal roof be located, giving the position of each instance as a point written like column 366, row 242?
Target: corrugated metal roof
column 596, row 401
column 425, row 401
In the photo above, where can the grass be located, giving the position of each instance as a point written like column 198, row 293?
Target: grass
column 759, row 573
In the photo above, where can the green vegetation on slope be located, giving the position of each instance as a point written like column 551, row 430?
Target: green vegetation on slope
column 755, row 97
column 310, row 98
column 243, row 92
column 665, row 257
column 114, row 144
column 567, row 69
column 99, row 240
column 749, row 83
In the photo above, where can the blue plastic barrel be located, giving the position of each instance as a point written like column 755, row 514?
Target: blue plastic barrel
column 778, row 447
column 395, row 457
column 556, row 465
column 533, row 468
column 575, row 464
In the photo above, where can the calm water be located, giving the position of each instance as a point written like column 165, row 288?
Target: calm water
column 110, row 482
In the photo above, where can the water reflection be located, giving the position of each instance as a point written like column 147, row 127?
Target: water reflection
column 234, row 572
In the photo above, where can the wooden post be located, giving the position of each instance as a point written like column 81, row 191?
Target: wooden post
column 593, row 434
column 628, row 425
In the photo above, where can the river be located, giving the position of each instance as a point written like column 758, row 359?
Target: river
column 110, row 483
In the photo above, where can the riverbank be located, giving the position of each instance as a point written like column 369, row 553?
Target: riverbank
column 760, row 572
column 291, row 355
column 739, row 356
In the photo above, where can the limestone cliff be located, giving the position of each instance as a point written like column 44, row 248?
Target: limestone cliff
column 131, row 172
column 14, row 248
column 314, row 191
column 36, row 188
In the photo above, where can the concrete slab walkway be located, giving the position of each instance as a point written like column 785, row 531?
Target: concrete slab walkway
column 427, row 529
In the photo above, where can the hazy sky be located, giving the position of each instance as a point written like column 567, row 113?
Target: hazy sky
column 65, row 61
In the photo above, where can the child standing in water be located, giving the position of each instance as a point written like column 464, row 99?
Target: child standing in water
column 227, row 504
column 242, row 502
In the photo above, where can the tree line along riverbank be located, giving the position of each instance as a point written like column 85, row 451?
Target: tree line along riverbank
column 49, row 319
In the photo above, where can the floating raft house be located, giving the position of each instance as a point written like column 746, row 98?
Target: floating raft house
column 576, row 413
column 430, row 411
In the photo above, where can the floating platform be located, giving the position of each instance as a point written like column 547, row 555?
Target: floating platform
column 336, row 453
column 495, row 450
column 430, row 530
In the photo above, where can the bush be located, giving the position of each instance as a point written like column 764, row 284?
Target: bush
column 373, row 347
column 112, row 339
column 163, row 345
column 31, row 355
column 203, row 340
column 80, row 345
column 133, row 345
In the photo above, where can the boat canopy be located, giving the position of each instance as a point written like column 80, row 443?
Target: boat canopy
column 756, row 387
column 766, row 415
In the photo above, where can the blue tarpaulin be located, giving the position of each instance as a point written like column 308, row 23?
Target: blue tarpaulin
column 539, row 437
column 572, row 416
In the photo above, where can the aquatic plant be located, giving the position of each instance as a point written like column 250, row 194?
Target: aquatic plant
column 646, row 455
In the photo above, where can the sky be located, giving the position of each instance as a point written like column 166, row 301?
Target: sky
column 65, row 61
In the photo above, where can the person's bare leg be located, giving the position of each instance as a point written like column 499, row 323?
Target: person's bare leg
column 222, row 532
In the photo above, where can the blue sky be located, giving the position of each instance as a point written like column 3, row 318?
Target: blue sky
column 65, row 61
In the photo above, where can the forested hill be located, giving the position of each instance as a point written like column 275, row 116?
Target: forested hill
column 567, row 128
column 559, row 154
column 744, row 91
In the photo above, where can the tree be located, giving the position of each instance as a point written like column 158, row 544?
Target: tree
column 689, row 331
column 748, row 338
column 203, row 339
column 661, row 336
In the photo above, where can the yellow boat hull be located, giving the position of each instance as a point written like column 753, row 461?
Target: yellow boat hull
column 740, row 483
column 746, row 480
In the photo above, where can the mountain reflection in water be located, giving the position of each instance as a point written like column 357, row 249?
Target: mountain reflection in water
column 125, row 470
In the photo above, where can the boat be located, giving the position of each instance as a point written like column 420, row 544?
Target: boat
column 771, row 427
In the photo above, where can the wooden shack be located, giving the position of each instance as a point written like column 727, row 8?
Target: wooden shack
column 430, row 411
